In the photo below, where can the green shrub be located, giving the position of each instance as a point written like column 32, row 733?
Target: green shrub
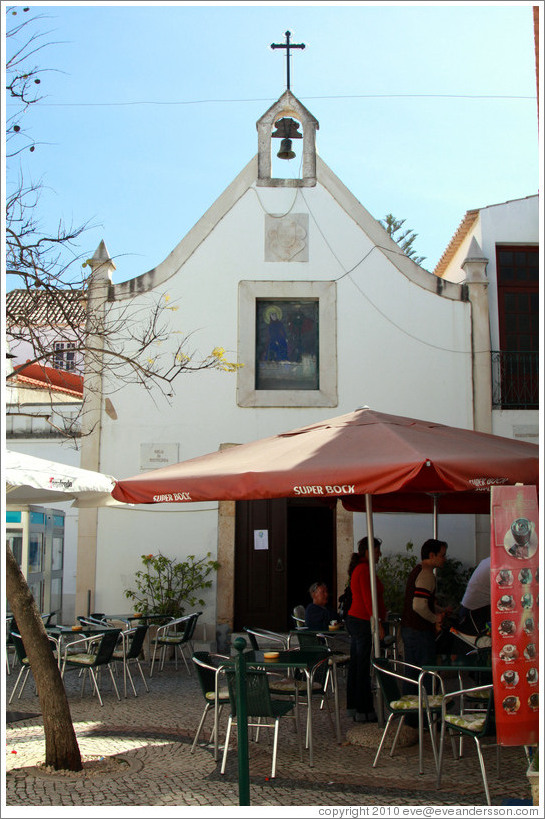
column 452, row 579
column 165, row 586
column 393, row 571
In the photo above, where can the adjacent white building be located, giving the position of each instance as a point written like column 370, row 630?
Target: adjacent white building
column 500, row 243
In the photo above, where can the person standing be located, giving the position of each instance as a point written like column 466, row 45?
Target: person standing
column 359, row 697
column 422, row 618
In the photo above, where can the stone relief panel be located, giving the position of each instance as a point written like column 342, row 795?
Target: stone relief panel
column 286, row 238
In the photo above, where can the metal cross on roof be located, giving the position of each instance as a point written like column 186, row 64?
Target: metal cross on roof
column 287, row 45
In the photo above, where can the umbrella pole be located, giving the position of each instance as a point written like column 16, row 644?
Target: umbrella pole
column 373, row 579
column 435, row 527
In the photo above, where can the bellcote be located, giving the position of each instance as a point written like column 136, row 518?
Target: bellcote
column 283, row 120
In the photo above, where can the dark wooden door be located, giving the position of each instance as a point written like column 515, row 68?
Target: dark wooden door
column 260, row 573
column 301, row 549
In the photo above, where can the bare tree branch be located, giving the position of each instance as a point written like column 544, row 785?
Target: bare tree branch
column 131, row 342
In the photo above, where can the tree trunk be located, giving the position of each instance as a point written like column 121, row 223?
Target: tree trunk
column 61, row 746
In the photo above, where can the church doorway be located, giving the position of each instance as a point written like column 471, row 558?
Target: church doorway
column 281, row 547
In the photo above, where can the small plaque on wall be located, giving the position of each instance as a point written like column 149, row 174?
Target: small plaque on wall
column 153, row 456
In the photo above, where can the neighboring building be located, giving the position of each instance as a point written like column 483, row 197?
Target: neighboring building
column 42, row 404
column 500, row 245
column 56, row 317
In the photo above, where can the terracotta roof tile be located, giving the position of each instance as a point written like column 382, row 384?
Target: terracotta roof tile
column 42, row 308
column 463, row 229
column 48, row 378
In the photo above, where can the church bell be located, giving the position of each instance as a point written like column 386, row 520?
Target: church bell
column 285, row 151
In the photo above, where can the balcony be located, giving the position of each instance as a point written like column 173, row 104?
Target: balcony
column 515, row 380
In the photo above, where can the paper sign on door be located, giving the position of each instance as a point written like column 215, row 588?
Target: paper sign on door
column 261, row 539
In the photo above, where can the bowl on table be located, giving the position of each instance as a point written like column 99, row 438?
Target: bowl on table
column 271, row 655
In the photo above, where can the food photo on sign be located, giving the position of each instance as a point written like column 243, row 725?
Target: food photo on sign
column 515, row 640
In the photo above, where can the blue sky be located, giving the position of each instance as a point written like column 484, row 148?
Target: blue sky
column 151, row 110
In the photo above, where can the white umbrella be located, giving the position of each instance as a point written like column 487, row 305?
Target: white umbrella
column 37, row 480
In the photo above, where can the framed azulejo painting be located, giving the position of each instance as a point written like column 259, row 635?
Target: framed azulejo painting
column 287, row 348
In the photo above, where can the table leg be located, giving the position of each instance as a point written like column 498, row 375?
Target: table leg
column 58, row 642
column 420, row 727
column 309, row 717
column 124, row 664
column 337, row 714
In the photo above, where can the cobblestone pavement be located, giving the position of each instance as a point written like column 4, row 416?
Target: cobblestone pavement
column 137, row 753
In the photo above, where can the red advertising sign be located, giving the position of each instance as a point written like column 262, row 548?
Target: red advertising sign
column 514, row 580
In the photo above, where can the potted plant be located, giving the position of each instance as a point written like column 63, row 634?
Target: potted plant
column 167, row 586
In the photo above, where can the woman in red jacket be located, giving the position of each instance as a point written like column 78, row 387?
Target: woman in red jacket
column 359, row 698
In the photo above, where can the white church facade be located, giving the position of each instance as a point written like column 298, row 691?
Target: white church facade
column 305, row 289
column 300, row 285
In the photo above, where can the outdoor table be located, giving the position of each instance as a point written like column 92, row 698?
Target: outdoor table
column 297, row 659
column 460, row 668
column 143, row 619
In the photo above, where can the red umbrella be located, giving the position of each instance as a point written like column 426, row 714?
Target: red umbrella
column 402, row 462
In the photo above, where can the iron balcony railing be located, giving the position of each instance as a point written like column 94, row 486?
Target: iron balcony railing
column 515, row 380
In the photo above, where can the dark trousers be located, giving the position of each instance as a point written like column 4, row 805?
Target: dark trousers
column 419, row 649
column 358, row 682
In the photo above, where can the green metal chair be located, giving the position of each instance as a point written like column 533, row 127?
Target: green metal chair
column 10, row 647
column 24, row 662
column 391, row 675
column 295, row 687
column 92, row 620
column 132, row 644
column 475, row 724
column 260, row 706
column 96, row 653
column 47, row 617
column 209, row 669
column 261, row 639
column 308, row 639
column 298, row 616
column 179, row 638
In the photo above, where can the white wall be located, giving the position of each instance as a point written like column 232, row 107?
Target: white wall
column 397, row 530
column 401, row 349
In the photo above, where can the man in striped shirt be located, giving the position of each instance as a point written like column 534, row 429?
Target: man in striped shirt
column 422, row 618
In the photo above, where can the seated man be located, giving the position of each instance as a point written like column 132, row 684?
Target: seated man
column 318, row 614
column 475, row 615
column 475, row 608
